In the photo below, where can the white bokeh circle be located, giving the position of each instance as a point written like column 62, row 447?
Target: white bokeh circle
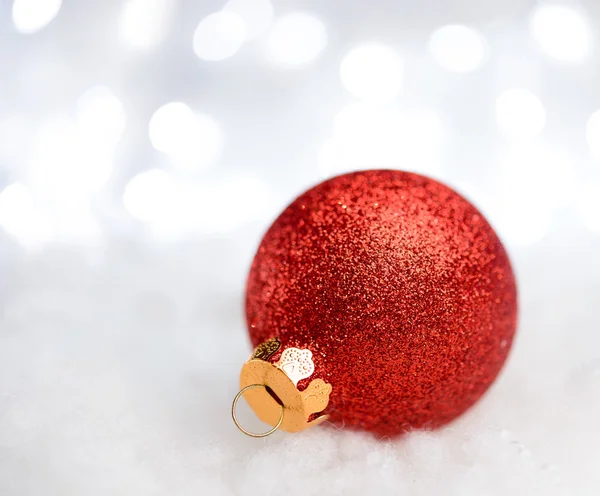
column 144, row 23
column 561, row 32
column 29, row 16
column 296, row 39
column 458, row 48
column 256, row 14
column 372, row 72
column 219, row 36
column 520, row 114
column 191, row 137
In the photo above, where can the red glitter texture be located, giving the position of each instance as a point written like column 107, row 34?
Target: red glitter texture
column 399, row 287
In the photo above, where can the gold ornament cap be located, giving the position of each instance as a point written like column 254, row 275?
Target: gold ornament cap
column 271, row 389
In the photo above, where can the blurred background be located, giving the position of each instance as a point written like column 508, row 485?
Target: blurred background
column 145, row 147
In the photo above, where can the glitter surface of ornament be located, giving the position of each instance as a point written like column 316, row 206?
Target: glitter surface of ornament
column 401, row 290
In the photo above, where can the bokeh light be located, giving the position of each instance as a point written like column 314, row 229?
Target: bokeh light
column 296, row 39
column 219, row 36
column 458, row 48
column 545, row 176
column 173, row 207
column 593, row 133
column 29, row 16
column 588, row 205
column 101, row 116
column 170, row 208
column 372, row 72
column 149, row 195
column 231, row 202
column 256, row 14
column 534, row 182
column 66, row 166
column 143, row 23
column 367, row 137
column 20, row 217
column 561, row 32
column 520, row 222
column 193, row 138
column 520, row 114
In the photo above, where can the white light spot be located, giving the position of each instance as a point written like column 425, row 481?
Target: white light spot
column 523, row 224
column 101, row 117
column 542, row 176
column 534, row 183
column 30, row 16
column 588, row 206
column 516, row 214
column 20, row 217
column 520, row 114
column 257, row 15
column 144, row 23
column 458, row 48
column 65, row 165
column 150, row 195
column 172, row 208
column 373, row 73
column 593, row 133
column 176, row 130
column 367, row 137
column 296, row 39
column 239, row 198
column 561, row 32
column 219, row 36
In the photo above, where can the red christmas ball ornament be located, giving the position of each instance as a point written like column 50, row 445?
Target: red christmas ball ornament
column 381, row 300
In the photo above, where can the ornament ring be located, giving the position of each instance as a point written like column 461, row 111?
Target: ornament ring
column 235, row 420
